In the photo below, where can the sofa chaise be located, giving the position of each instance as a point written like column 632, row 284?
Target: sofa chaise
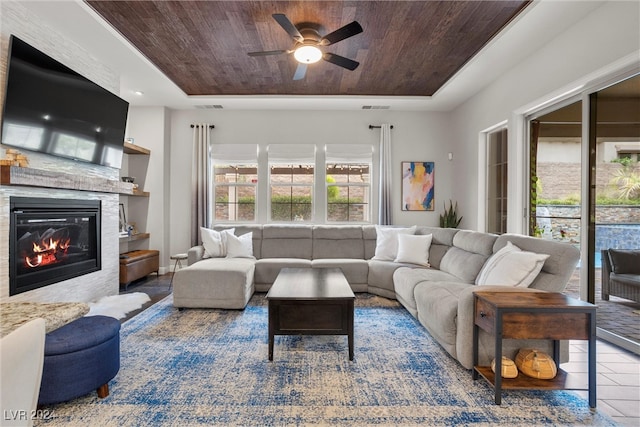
column 439, row 294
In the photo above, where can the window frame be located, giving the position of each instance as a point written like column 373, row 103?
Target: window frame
column 234, row 156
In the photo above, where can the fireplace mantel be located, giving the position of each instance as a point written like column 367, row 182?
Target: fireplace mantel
column 13, row 175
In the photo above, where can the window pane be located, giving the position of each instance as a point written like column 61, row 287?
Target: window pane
column 348, row 173
column 236, row 173
column 338, row 212
column 497, row 166
column 347, row 203
column 291, row 203
column 292, row 174
column 235, row 203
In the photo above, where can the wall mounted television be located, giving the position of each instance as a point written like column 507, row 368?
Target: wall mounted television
column 49, row 108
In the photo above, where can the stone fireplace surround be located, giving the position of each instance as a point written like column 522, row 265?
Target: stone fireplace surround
column 85, row 288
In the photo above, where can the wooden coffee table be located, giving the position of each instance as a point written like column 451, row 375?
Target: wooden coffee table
column 311, row 301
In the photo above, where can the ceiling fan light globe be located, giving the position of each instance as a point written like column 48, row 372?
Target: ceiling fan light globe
column 307, row 54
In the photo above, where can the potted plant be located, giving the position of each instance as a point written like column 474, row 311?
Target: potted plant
column 450, row 217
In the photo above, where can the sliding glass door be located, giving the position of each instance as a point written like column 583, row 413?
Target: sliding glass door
column 615, row 181
column 612, row 185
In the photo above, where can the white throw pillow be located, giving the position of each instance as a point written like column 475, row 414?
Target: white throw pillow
column 511, row 266
column 214, row 242
column 414, row 249
column 387, row 242
column 240, row 247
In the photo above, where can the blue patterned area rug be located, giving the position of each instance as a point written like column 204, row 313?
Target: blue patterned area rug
column 210, row 367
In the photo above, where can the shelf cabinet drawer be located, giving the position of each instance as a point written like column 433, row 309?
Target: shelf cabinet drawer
column 485, row 315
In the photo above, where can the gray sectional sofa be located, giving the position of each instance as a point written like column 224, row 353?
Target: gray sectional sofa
column 439, row 296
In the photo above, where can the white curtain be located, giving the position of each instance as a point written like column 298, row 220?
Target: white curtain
column 200, row 183
column 386, row 189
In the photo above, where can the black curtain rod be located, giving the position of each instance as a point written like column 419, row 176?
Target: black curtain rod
column 378, row 127
column 210, row 126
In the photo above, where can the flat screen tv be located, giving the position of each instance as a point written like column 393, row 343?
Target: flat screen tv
column 49, row 108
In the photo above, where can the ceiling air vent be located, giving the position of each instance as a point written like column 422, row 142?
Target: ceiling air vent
column 209, row 107
column 376, row 107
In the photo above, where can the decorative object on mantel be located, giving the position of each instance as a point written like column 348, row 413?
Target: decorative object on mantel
column 14, row 157
column 128, row 179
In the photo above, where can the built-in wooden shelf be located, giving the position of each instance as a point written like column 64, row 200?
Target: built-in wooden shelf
column 137, row 192
column 14, row 175
column 134, row 237
column 130, row 148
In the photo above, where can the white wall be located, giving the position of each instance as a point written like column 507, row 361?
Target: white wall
column 149, row 128
column 416, row 136
column 608, row 35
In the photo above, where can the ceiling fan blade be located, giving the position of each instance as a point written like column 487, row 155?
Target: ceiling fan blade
column 267, row 52
column 341, row 61
column 291, row 29
column 342, row 33
column 300, row 71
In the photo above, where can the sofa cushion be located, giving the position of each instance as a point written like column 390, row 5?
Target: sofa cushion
column 287, row 241
column 355, row 270
column 267, row 269
column 511, row 266
column 441, row 241
column 624, row 261
column 387, row 241
column 214, row 283
column 338, row 242
column 381, row 277
column 369, row 236
column 406, row 279
column 626, row 279
column 470, row 251
column 414, row 249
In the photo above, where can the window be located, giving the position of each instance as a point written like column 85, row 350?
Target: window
column 291, row 181
column 235, row 171
column 348, row 182
column 497, row 182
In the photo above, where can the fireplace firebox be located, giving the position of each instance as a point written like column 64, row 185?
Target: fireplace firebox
column 51, row 240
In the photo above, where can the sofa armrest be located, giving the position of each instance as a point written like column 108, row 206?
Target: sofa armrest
column 195, row 254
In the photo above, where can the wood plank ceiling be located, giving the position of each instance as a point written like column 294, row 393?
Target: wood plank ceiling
column 408, row 48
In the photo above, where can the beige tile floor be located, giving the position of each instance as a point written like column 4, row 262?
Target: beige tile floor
column 617, row 379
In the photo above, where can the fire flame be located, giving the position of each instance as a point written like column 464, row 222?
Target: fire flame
column 47, row 252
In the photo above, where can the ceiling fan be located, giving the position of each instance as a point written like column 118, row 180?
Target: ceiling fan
column 306, row 49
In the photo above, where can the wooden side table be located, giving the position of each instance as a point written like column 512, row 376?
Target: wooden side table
column 533, row 315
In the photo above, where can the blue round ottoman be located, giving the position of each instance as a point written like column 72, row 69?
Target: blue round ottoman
column 80, row 357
